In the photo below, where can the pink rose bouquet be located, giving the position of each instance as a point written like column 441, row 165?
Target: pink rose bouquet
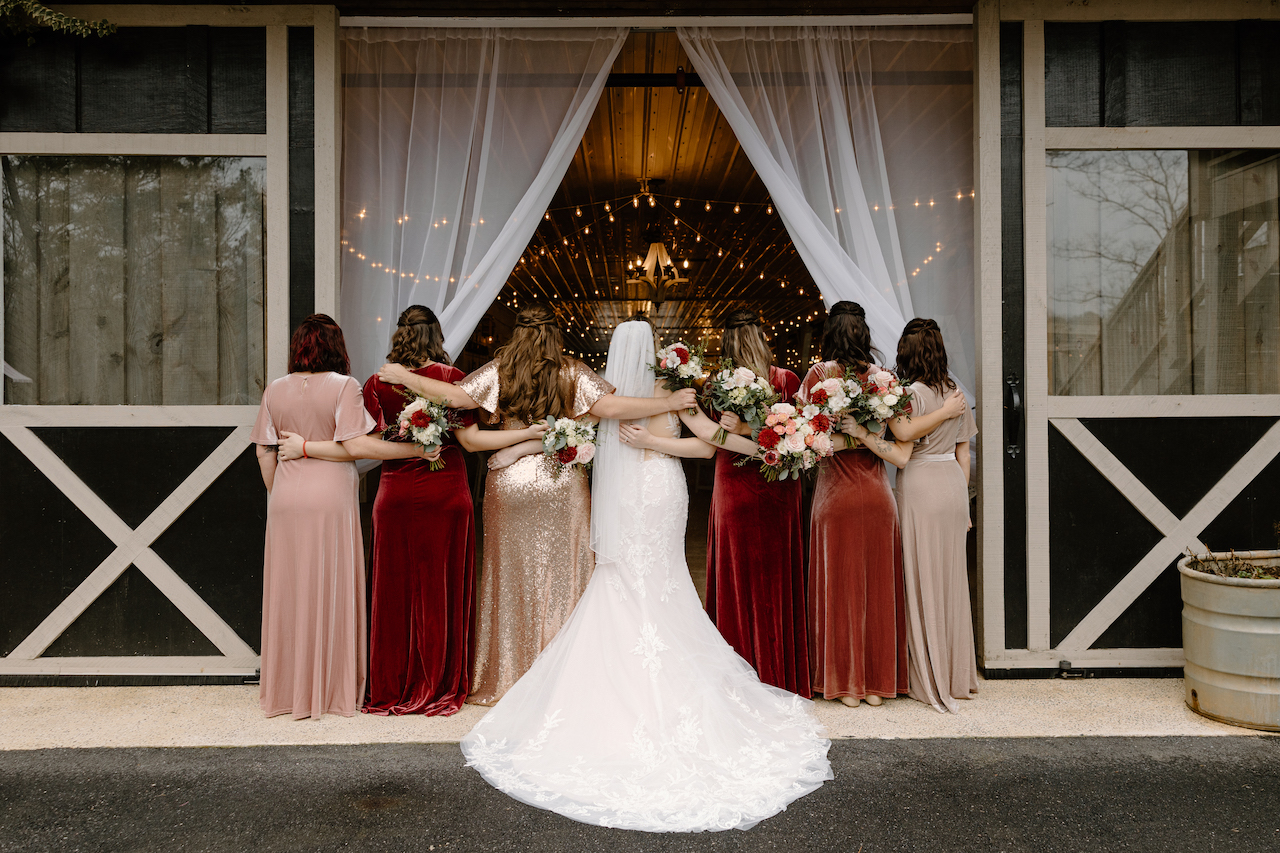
column 568, row 443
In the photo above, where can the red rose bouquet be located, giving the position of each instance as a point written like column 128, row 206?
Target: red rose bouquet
column 426, row 423
column 882, row 397
column 790, row 442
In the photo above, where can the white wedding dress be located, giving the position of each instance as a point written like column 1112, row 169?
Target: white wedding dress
column 638, row 714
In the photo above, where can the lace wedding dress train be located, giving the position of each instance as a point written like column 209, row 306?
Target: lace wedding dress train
column 638, row 714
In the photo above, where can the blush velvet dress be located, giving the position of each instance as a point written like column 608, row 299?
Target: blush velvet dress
column 755, row 565
column 313, row 590
column 857, row 615
column 422, row 571
column 933, row 502
column 537, row 543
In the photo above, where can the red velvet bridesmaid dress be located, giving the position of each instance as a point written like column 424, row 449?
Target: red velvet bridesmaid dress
column 857, row 616
column 423, row 573
column 755, row 565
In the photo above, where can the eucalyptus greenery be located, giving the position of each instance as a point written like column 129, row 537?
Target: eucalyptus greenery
column 25, row 17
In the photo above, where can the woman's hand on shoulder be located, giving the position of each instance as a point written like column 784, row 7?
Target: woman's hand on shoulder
column 954, row 405
column 634, row 435
column 393, row 374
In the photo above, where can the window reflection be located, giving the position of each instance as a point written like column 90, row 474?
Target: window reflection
column 135, row 280
column 1163, row 274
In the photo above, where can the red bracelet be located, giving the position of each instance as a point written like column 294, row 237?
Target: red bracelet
column 304, row 449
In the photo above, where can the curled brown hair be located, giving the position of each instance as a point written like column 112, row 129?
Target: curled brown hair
column 744, row 342
column 317, row 346
column 418, row 338
column 532, row 384
column 922, row 356
column 845, row 336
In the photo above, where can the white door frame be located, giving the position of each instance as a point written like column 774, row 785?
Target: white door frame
column 1064, row 412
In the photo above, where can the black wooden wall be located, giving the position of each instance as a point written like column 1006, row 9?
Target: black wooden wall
column 192, row 80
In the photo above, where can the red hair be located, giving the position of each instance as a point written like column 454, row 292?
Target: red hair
column 317, row 346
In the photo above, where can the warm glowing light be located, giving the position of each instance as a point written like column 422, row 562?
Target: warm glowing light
column 361, row 214
column 607, row 208
column 917, row 202
column 708, row 207
column 578, row 212
column 686, row 263
column 698, row 239
column 931, row 202
column 635, row 201
column 736, row 208
column 769, row 210
column 875, row 207
column 677, row 202
column 675, row 221
column 719, row 253
column 652, row 202
column 547, row 216
column 610, row 217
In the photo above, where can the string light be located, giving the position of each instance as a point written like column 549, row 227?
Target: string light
column 578, row 211
column 677, row 202
column 737, row 208
column 635, row 201
column 652, row 201
column 708, row 207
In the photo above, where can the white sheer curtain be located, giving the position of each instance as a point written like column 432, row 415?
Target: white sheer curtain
column 454, row 142
column 802, row 102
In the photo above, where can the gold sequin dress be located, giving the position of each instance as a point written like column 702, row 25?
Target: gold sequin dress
column 537, row 545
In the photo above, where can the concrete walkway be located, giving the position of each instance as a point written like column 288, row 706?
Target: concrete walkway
column 53, row 717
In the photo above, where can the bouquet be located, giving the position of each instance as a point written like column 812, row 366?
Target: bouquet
column 882, row 397
column 679, row 366
column 569, row 442
column 832, row 398
column 791, row 442
column 424, row 422
column 740, row 391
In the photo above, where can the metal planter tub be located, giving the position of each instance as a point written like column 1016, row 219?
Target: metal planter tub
column 1231, row 638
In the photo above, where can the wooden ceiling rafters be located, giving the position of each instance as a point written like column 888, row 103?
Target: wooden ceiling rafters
column 681, row 144
column 684, row 147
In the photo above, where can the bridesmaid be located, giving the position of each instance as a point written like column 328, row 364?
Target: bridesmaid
column 755, row 538
column 423, row 555
column 313, row 607
column 933, row 502
column 537, row 543
column 857, row 619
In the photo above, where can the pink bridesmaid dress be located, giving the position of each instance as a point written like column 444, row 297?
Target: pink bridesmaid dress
column 313, row 588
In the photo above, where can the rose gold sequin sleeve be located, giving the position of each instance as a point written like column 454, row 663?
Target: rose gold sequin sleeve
column 587, row 388
column 482, row 386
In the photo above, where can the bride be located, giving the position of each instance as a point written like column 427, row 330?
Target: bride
column 638, row 714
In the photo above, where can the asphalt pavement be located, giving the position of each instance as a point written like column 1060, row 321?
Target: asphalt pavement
column 964, row 794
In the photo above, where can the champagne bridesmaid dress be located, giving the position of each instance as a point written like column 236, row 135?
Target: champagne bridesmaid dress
column 857, row 618
column 313, row 605
column 933, row 502
column 755, row 565
column 537, row 544
column 422, row 571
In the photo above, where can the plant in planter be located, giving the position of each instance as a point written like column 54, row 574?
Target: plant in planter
column 1231, row 636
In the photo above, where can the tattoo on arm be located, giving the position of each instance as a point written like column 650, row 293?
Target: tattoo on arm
column 881, row 445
